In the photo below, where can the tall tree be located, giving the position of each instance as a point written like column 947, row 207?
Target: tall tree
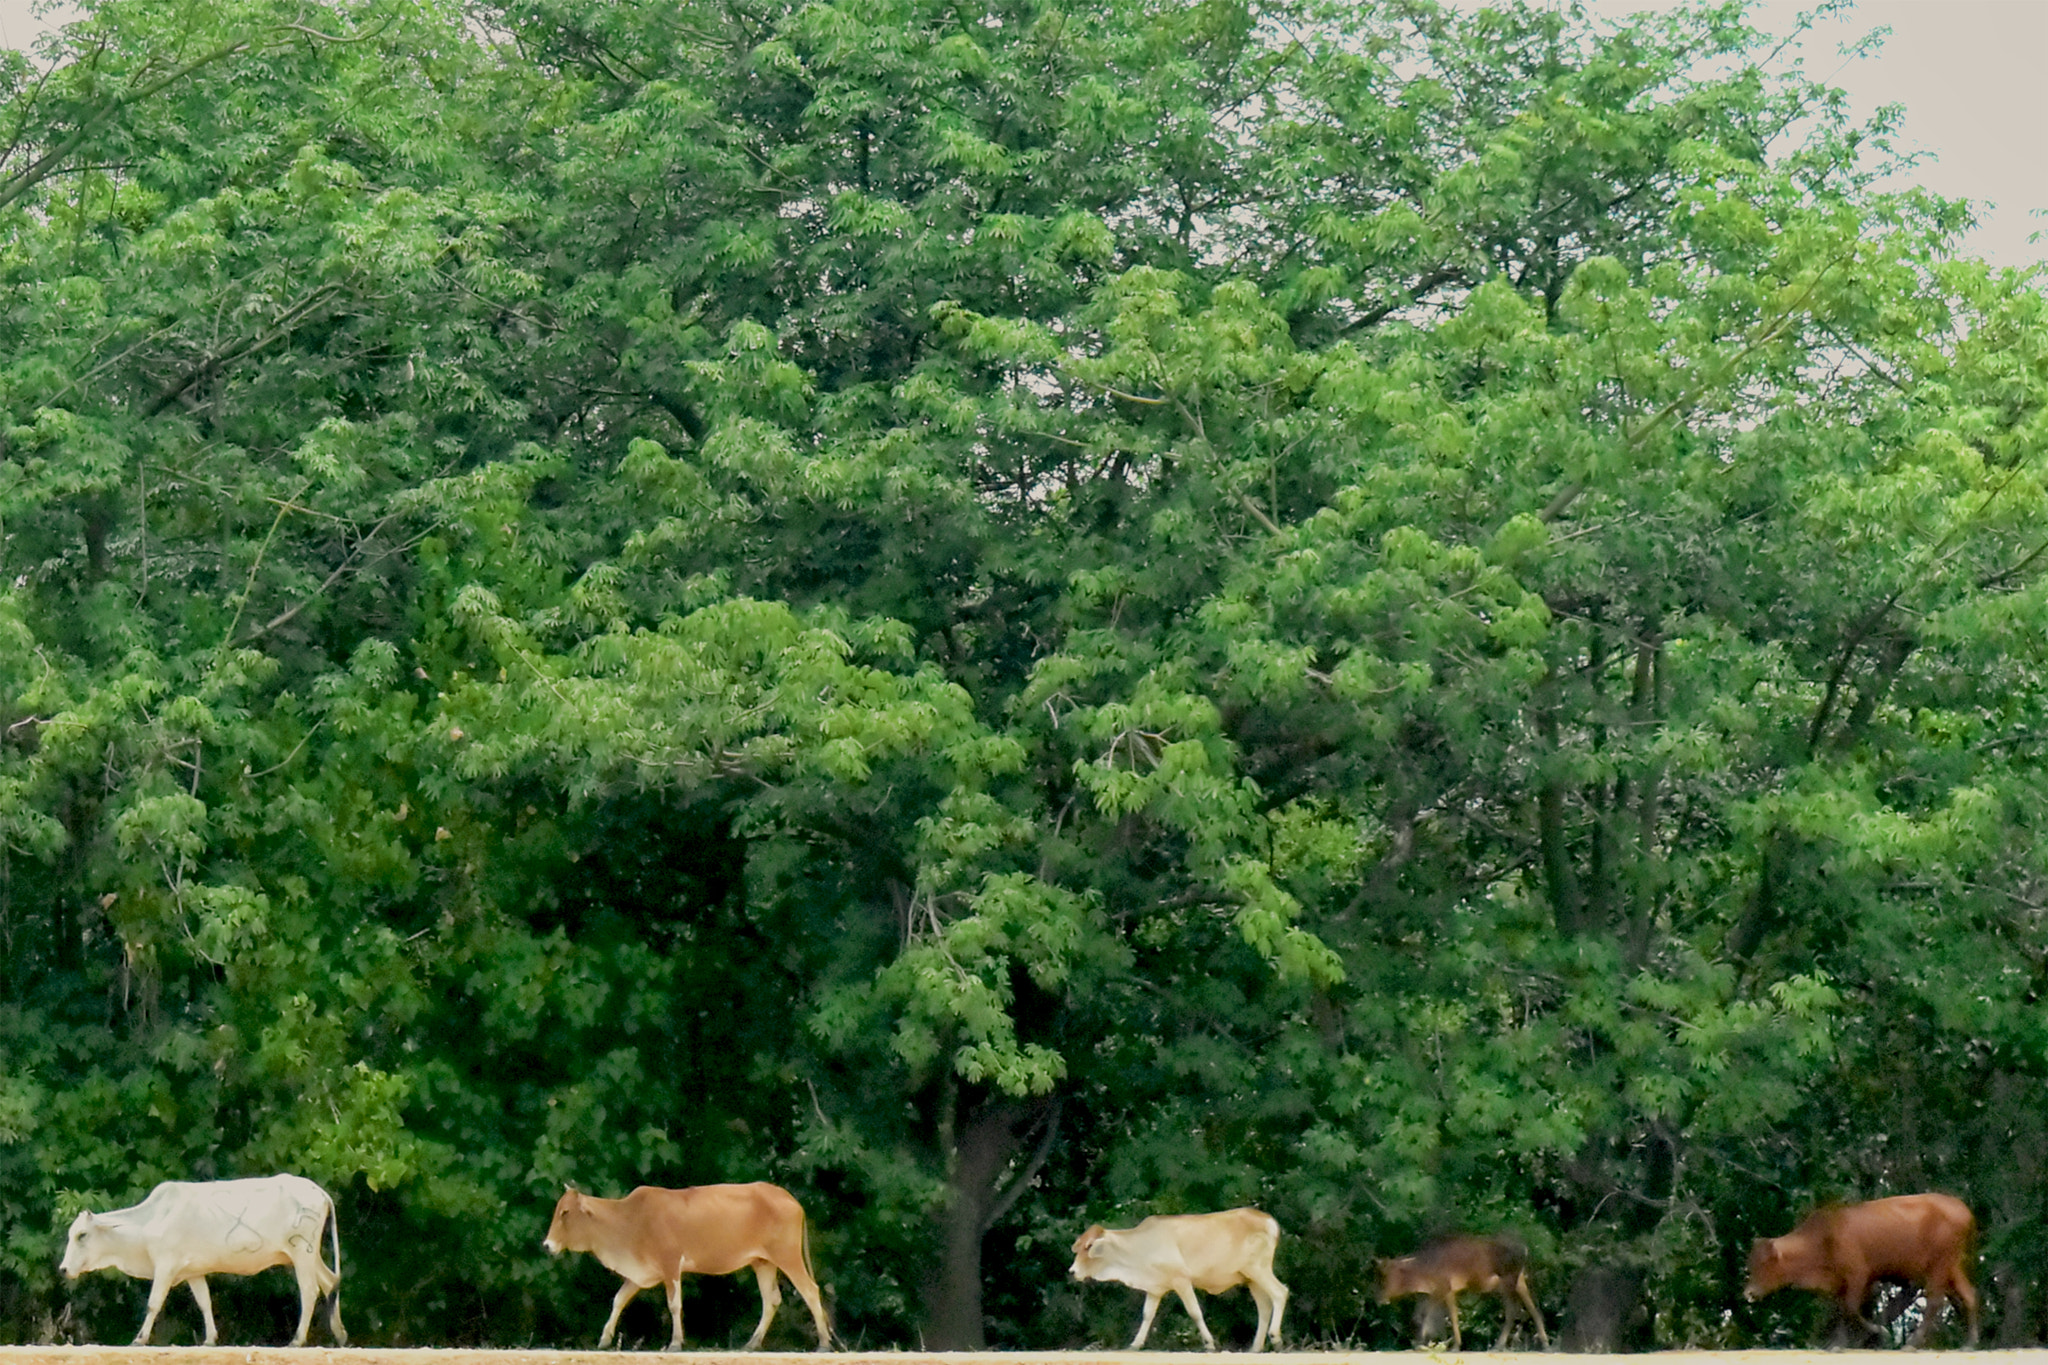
column 1005, row 615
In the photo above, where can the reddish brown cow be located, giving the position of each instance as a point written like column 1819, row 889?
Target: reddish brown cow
column 1449, row 1266
column 1923, row 1239
column 655, row 1237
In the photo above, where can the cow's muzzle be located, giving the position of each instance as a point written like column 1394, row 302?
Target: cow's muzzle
column 548, row 1243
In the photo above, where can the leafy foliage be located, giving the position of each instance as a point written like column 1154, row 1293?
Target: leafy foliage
column 1006, row 615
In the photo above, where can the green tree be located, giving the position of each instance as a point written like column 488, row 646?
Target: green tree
column 1005, row 615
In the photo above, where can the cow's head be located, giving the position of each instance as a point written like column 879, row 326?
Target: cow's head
column 1088, row 1248
column 1398, row 1277
column 1769, row 1270
column 569, row 1229
column 84, row 1248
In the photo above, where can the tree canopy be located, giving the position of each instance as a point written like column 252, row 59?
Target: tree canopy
column 1007, row 614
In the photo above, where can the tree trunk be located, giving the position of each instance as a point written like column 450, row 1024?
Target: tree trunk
column 986, row 1142
column 1567, row 900
column 977, row 1198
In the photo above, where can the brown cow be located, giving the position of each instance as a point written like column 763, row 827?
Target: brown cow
column 655, row 1236
column 1923, row 1239
column 1449, row 1266
column 1180, row 1253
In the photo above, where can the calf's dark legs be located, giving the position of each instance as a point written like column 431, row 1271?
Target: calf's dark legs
column 1529, row 1302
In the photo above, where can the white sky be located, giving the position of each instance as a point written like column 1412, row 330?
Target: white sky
column 1972, row 75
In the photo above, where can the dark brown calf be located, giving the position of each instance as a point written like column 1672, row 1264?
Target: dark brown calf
column 1923, row 1239
column 1451, row 1265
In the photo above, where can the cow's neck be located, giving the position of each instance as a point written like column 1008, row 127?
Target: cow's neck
column 130, row 1248
column 615, row 1246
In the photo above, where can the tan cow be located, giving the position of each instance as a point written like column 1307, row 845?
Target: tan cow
column 655, row 1237
column 187, row 1230
column 1211, row 1252
column 1923, row 1239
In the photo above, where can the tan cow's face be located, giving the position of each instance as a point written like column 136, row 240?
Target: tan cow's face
column 567, row 1230
column 1085, row 1256
column 82, row 1249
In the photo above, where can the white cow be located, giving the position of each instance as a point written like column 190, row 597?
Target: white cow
column 1181, row 1253
column 188, row 1230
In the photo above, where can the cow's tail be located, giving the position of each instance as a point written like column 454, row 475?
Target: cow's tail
column 334, row 1294
column 803, row 1228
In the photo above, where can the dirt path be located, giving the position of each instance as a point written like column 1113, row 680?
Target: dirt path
column 276, row 1355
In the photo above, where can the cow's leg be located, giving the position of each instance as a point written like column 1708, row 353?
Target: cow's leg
column 334, row 1313
column 309, row 1294
column 1936, row 1301
column 1855, row 1289
column 1457, row 1334
column 197, row 1284
column 807, row 1287
column 1264, row 1304
column 1186, row 1290
column 1271, row 1308
column 771, row 1299
column 1145, row 1320
column 619, row 1302
column 159, row 1290
column 1507, row 1317
column 1529, row 1302
column 1966, row 1295
column 675, row 1312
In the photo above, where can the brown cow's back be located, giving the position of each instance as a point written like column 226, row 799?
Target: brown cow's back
column 1910, row 1235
